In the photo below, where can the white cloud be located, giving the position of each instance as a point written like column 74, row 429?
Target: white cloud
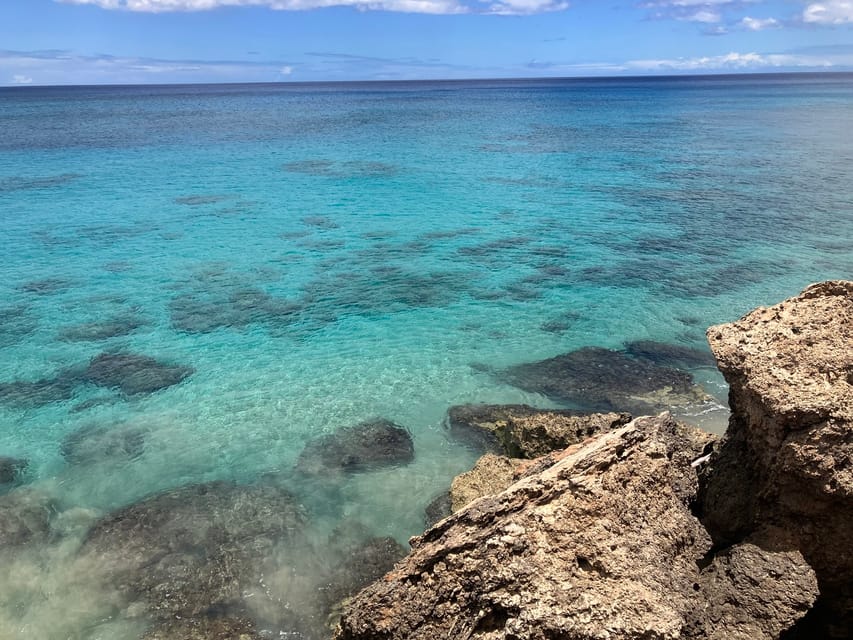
column 703, row 15
column 286, row 70
column 829, row 12
column 731, row 61
column 20, row 78
column 161, row 6
column 526, row 7
column 759, row 24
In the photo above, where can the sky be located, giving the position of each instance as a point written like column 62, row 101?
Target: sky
column 49, row 42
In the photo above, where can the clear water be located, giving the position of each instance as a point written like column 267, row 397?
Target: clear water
column 411, row 230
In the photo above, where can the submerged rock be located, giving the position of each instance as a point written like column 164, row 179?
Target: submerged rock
column 600, row 544
column 22, row 394
column 669, row 355
column 190, row 550
column 437, row 509
column 97, row 443
column 11, row 471
column 101, row 330
column 786, row 459
column 596, row 379
column 24, row 517
column 134, row 374
column 522, row 431
column 374, row 444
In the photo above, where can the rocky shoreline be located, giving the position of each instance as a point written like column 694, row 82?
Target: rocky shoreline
column 571, row 525
column 651, row 528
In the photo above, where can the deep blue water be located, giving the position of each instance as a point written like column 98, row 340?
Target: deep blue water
column 321, row 254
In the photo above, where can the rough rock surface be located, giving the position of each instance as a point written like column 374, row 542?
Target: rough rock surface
column 369, row 445
column 601, row 544
column 596, row 379
column 205, row 628
column 490, row 475
column 787, row 460
column 521, row 431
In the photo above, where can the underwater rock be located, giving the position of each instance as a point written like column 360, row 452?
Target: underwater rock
column 15, row 325
column 194, row 201
column 101, row 330
column 321, row 222
column 134, row 374
column 669, row 355
column 24, row 517
column 437, row 509
column 375, row 444
column 97, row 443
column 23, row 394
column 190, row 550
column 11, row 471
column 23, row 183
column 46, row 286
column 596, row 379
column 786, row 457
column 521, row 431
column 91, row 403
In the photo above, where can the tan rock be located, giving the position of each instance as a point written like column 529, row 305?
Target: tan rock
column 490, row 475
column 601, row 544
column 787, row 460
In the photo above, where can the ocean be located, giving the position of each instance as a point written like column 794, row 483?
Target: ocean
column 283, row 261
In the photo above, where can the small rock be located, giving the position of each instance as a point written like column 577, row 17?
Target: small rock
column 97, row 443
column 11, row 471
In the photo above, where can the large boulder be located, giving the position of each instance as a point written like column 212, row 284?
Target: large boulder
column 600, row 544
column 787, row 460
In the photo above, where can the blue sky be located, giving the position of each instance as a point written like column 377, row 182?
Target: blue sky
column 164, row 41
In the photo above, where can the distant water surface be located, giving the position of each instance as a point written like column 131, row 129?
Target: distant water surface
column 301, row 258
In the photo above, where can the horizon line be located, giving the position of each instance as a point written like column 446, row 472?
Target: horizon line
column 651, row 76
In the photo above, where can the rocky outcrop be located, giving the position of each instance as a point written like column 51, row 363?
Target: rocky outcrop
column 25, row 516
column 521, row 431
column 133, row 374
column 98, row 443
column 602, row 543
column 651, row 529
column 787, row 460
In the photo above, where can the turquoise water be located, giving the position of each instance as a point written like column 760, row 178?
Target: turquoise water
column 321, row 255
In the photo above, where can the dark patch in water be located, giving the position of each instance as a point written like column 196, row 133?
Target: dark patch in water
column 102, row 330
column 118, row 267
column 450, row 233
column 561, row 323
column 97, row 443
column 229, row 308
column 12, row 471
column 346, row 169
column 321, row 222
column 294, row 235
column 91, row 403
column 22, row 394
column 670, row 355
column 367, row 446
column 196, row 200
column 47, row 286
column 24, row 518
column 597, row 379
column 21, row 183
column 15, row 325
column 133, row 374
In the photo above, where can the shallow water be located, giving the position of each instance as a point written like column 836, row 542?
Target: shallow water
column 321, row 255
